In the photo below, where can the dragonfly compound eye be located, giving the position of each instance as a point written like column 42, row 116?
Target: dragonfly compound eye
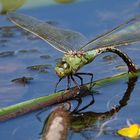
column 63, row 69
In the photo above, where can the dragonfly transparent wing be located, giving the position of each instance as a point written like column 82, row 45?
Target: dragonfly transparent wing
column 61, row 39
column 124, row 34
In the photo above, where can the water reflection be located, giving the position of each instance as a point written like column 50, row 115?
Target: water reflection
column 86, row 122
column 81, row 121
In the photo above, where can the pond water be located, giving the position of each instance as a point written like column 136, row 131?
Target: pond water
column 19, row 50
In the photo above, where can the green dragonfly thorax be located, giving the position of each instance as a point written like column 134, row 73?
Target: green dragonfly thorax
column 72, row 62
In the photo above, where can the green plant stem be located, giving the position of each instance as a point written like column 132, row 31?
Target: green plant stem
column 58, row 97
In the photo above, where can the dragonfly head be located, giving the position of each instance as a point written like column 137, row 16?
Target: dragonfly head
column 63, row 69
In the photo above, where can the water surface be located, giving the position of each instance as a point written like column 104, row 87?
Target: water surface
column 19, row 50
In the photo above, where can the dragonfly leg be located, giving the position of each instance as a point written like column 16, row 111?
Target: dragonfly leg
column 69, row 82
column 90, row 74
column 40, row 112
column 91, row 103
column 75, row 82
column 81, row 79
column 57, row 84
column 79, row 100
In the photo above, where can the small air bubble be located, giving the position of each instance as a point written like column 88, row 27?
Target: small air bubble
column 65, row 65
column 77, row 92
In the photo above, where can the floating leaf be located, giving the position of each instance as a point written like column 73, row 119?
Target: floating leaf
column 110, row 57
column 23, row 51
column 28, row 51
column 45, row 56
column 40, row 68
column 133, row 131
column 7, row 53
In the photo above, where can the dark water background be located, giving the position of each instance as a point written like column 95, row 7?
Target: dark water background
column 90, row 17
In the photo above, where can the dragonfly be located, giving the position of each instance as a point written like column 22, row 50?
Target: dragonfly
column 78, row 51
